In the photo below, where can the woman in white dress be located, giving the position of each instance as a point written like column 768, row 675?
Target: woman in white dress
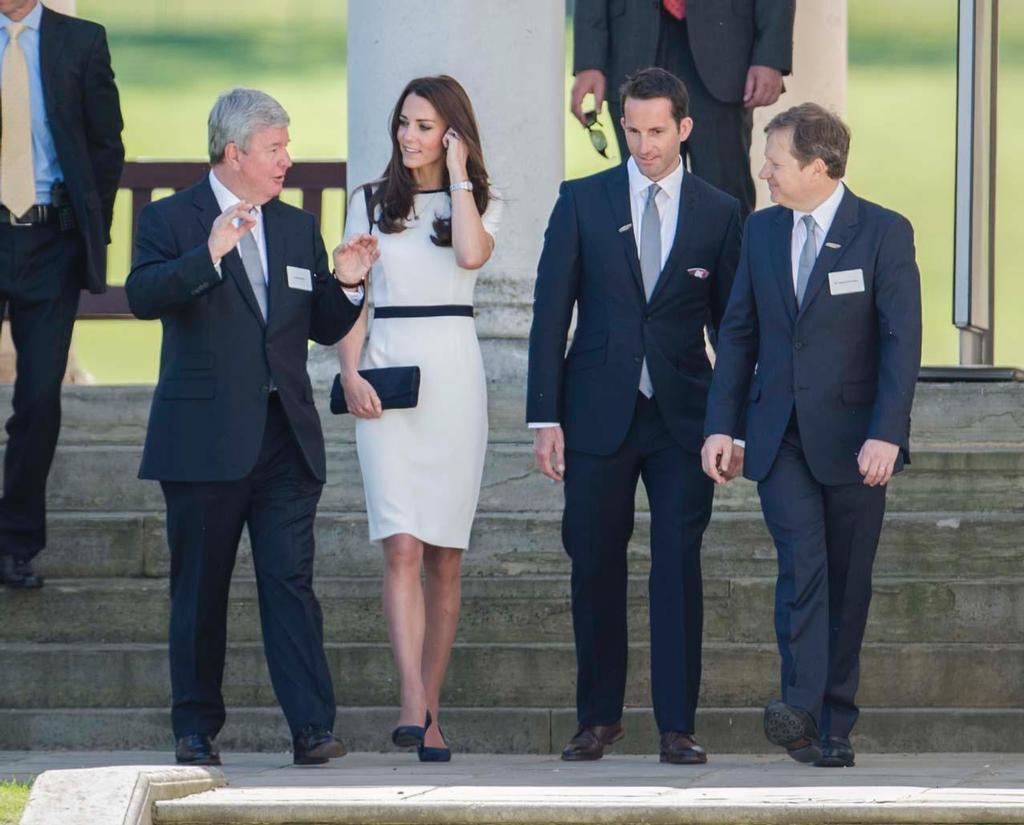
column 434, row 216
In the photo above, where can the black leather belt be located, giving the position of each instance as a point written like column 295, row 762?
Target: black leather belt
column 435, row 311
column 39, row 215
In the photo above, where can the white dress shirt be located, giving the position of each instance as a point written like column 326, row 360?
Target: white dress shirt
column 225, row 200
column 667, row 201
column 823, row 216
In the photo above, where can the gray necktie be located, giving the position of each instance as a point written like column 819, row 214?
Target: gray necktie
column 807, row 257
column 254, row 270
column 650, row 264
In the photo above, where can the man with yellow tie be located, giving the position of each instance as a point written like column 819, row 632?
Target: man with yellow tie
column 60, row 162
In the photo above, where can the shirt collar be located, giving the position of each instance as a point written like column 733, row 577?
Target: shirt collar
column 30, row 21
column 670, row 184
column 825, row 212
column 225, row 197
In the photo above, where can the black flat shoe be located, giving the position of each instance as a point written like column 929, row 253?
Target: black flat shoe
column 18, row 573
column 315, row 745
column 428, row 754
column 410, row 736
column 836, row 752
column 196, row 749
column 793, row 729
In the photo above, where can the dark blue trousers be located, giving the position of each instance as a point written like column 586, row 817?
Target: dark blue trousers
column 826, row 538
column 277, row 500
column 596, row 528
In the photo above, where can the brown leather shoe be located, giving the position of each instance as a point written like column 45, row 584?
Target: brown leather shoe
column 590, row 741
column 681, row 749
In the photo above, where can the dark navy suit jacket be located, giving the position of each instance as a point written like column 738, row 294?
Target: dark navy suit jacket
column 84, row 113
column 218, row 355
column 847, row 362
column 590, row 262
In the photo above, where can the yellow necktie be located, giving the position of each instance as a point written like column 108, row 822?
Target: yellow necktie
column 17, row 178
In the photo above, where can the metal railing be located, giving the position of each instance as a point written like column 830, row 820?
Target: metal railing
column 141, row 178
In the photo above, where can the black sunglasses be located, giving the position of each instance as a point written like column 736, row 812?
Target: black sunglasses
column 597, row 137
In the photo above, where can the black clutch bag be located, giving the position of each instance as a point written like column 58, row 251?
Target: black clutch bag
column 398, row 388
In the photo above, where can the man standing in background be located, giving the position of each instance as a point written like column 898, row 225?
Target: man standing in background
column 731, row 56
column 60, row 162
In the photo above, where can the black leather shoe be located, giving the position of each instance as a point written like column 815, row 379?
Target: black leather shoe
column 18, row 573
column 836, row 752
column 681, row 749
column 196, row 749
column 315, row 745
column 430, row 754
column 410, row 736
column 590, row 741
column 793, row 729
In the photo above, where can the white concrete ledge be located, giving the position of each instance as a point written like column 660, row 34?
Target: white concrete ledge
column 568, row 805
column 112, row 796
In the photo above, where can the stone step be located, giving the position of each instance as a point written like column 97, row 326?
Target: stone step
column 508, row 730
column 943, row 414
column 929, row 545
column 524, row 675
column 102, row 478
column 513, row 610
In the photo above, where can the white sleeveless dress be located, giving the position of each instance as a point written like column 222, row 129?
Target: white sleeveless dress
column 422, row 467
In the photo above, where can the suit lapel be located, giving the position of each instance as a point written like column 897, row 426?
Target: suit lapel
column 51, row 41
column 686, row 226
column 781, row 239
column 843, row 228
column 273, row 233
column 619, row 200
column 207, row 212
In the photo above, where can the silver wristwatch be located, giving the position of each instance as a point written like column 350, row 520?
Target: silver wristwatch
column 462, row 184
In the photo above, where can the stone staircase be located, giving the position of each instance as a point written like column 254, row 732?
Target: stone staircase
column 83, row 663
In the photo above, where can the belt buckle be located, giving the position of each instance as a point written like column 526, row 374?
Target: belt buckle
column 15, row 222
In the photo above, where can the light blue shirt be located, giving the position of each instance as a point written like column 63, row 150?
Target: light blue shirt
column 44, row 153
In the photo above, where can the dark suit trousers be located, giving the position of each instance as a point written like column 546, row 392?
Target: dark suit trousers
column 826, row 538
column 277, row 501
column 718, row 149
column 41, row 270
column 596, row 528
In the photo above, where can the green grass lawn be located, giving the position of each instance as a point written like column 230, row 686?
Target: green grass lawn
column 172, row 59
column 13, row 797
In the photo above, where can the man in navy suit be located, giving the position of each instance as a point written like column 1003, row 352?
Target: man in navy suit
column 646, row 253
column 240, row 282
column 820, row 348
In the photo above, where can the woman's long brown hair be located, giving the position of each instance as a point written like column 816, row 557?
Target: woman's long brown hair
column 393, row 198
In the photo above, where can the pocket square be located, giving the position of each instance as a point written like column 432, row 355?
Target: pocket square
column 698, row 272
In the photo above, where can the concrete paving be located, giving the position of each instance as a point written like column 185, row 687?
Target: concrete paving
column 395, row 788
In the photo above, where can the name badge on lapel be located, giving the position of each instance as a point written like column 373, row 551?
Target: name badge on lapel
column 300, row 278
column 846, row 281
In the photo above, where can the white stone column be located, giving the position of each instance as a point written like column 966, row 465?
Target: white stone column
column 819, row 72
column 510, row 57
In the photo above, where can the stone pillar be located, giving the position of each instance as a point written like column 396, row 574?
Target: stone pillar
column 819, row 72
column 510, row 57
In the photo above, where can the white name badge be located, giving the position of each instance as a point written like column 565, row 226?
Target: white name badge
column 299, row 278
column 846, row 281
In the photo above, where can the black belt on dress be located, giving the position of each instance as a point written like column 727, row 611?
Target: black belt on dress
column 38, row 215
column 435, row 311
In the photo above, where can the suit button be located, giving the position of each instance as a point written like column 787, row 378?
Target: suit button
column 637, row 359
column 265, row 389
column 798, row 345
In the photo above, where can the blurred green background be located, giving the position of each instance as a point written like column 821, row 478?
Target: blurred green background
column 171, row 60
